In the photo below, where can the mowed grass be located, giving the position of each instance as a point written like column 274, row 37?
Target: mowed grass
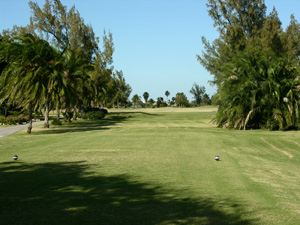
column 150, row 166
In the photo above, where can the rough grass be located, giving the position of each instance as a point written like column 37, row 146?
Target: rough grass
column 150, row 166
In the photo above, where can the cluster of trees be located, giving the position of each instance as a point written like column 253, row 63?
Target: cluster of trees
column 180, row 100
column 55, row 63
column 255, row 65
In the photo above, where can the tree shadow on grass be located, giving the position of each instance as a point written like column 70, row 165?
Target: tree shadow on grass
column 136, row 112
column 65, row 193
column 90, row 125
column 86, row 125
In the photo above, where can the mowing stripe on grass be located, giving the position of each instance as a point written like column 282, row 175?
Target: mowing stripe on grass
column 274, row 147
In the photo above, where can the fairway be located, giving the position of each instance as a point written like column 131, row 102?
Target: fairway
column 150, row 166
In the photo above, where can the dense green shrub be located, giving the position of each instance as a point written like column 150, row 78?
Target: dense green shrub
column 94, row 115
column 23, row 118
column 87, row 109
column 109, row 105
column 55, row 121
column 79, row 115
column 11, row 119
column 2, row 119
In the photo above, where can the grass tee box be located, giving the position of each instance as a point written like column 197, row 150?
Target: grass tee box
column 150, row 166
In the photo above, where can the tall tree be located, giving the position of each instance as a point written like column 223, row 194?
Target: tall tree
column 146, row 96
column 63, row 28
column 77, row 72
column 254, row 65
column 292, row 40
column 239, row 23
column 167, row 94
column 181, row 99
column 159, row 101
column 103, row 77
column 206, row 99
column 198, row 92
column 151, row 101
column 66, row 30
column 121, row 89
column 271, row 34
column 136, row 100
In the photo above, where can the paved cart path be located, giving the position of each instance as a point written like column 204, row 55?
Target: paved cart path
column 10, row 130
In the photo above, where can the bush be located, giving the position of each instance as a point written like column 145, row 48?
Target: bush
column 94, row 115
column 23, row 118
column 87, row 109
column 3, row 119
column 109, row 105
column 79, row 115
column 55, row 121
column 11, row 119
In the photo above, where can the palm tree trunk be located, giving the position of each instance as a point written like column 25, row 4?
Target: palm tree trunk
column 58, row 107
column 5, row 110
column 249, row 116
column 81, row 110
column 46, row 124
column 29, row 128
column 75, row 112
column 75, row 109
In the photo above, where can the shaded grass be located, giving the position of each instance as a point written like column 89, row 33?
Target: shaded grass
column 150, row 167
column 62, row 193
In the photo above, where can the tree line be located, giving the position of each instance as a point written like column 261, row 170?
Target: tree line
column 200, row 98
column 55, row 62
column 255, row 66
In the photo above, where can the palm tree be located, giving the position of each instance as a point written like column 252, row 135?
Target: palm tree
column 258, row 90
column 146, row 96
column 56, row 83
column 151, row 101
column 136, row 100
column 24, row 63
column 79, row 86
column 29, row 79
column 167, row 93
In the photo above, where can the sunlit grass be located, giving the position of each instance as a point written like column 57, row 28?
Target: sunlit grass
column 150, row 166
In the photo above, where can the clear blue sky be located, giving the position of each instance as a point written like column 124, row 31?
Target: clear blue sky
column 156, row 41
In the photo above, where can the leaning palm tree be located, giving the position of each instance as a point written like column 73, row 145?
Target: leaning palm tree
column 16, row 79
column 28, row 78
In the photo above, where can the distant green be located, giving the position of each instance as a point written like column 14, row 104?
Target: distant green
column 150, row 166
